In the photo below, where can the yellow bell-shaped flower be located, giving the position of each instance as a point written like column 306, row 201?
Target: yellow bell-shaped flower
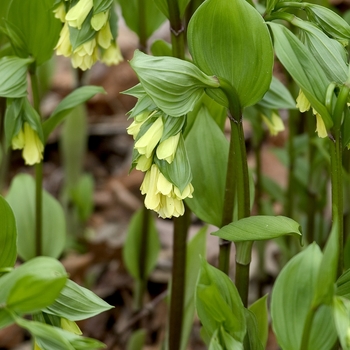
column 275, row 123
column 77, row 14
column 64, row 46
column 99, row 20
column 167, row 148
column 112, row 55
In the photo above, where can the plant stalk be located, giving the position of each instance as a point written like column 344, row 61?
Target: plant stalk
column 38, row 171
column 181, row 226
column 307, row 328
column 177, row 29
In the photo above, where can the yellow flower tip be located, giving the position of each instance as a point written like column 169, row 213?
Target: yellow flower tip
column 167, row 148
column 147, row 142
column 171, row 207
column 275, row 124
column 78, row 13
column 149, row 187
column 60, row 12
column 112, row 55
column 320, row 126
column 64, row 46
column 302, row 102
column 99, row 20
column 105, row 37
column 18, row 140
column 186, row 193
column 33, row 147
column 85, row 55
column 70, row 326
column 144, row 163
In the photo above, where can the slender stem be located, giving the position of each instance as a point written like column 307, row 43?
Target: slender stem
column 3, row 151
column 142, row 26
column 38, row 171
column 177, row 29
column 337, row 173
column 181, row 226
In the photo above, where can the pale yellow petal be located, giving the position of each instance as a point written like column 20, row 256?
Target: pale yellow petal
column 77, row 14
column 33, row 147
column 320, row 126
column 302, row 102
column 167, row 148
column 99, row 20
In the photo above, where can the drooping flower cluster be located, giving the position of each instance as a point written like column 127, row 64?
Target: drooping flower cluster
column 88, row 34
column 158, row 143
column 304, row 105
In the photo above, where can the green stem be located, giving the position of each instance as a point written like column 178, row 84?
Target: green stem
column 38, row 171
column 237, row 184
column 142, row 26
column 181, row 226
column 177, row 29
column 4, row 158
column 337, row 173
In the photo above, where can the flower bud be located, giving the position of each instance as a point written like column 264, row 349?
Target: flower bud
column 303, row 103
column 78, row 13
column 167, row 148
column 99, row 20
column 60, row 12
column 64, row 46
column 274, row 123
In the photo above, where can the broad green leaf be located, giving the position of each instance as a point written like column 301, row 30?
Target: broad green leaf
column 296, row 284
column 208, row 207
column 74, row 99
column 341, row 312
column 257, row 228
column 133, row 10
column 229, row 39
column 137, row 340
column 343, row 285
column 13, row 76
column 161, row 48
column 6, row 318
column 8, row 236
column 252, row 339
column 21, row 197
column 328, row 270
column 331, row 23
column 259, row 309
column 174, row 90
column 77, row 303
column 134, row 245
column 32, row 286
column 53, row 338
column 40, row 38
column 277, row 97
column 329, row 53
column 163, row 7
column 222, row 340
column 303, row 68
column 195, row 249
column 218, row 303
column 102, row 5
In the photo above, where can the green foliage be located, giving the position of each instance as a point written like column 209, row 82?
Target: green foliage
column 133, row 246
column 63, row 109
column 256, row 228
column 21, row 198
column 8, row 236
column 39, row 40
column 76, row 303
column 152, row 17
column 174, row 91
column 13, row 76
column 221, row 45
column 260, row 311
column 206, row 177
column 218, row 304
column 137, row 340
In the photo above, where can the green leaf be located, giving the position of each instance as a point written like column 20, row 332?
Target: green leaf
column 277, row 97
column 343, row 285
column 77, row 303
column 13, row 76
column 134, row 245
column 132, row 11
column 219, row 304
column 215, row 148
column 178, row 171
column 296, row 284
column 229, row 39
column 257, row 228
column 32, row 286
column 331, row 23
column 222, row 340
column 40, row 38
column 341, row 313
column 328, row 270
column 252, row 340
column 21, row 197
column 81, row 36
column 53, row 338
column 137, row 340
column 161, row 48
column 303, row 68
column 196, row 248
column 6, row 318
column 74, row 99
column 102, row 5
column 174, row 85
column 259, row 309
column 8, row 236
